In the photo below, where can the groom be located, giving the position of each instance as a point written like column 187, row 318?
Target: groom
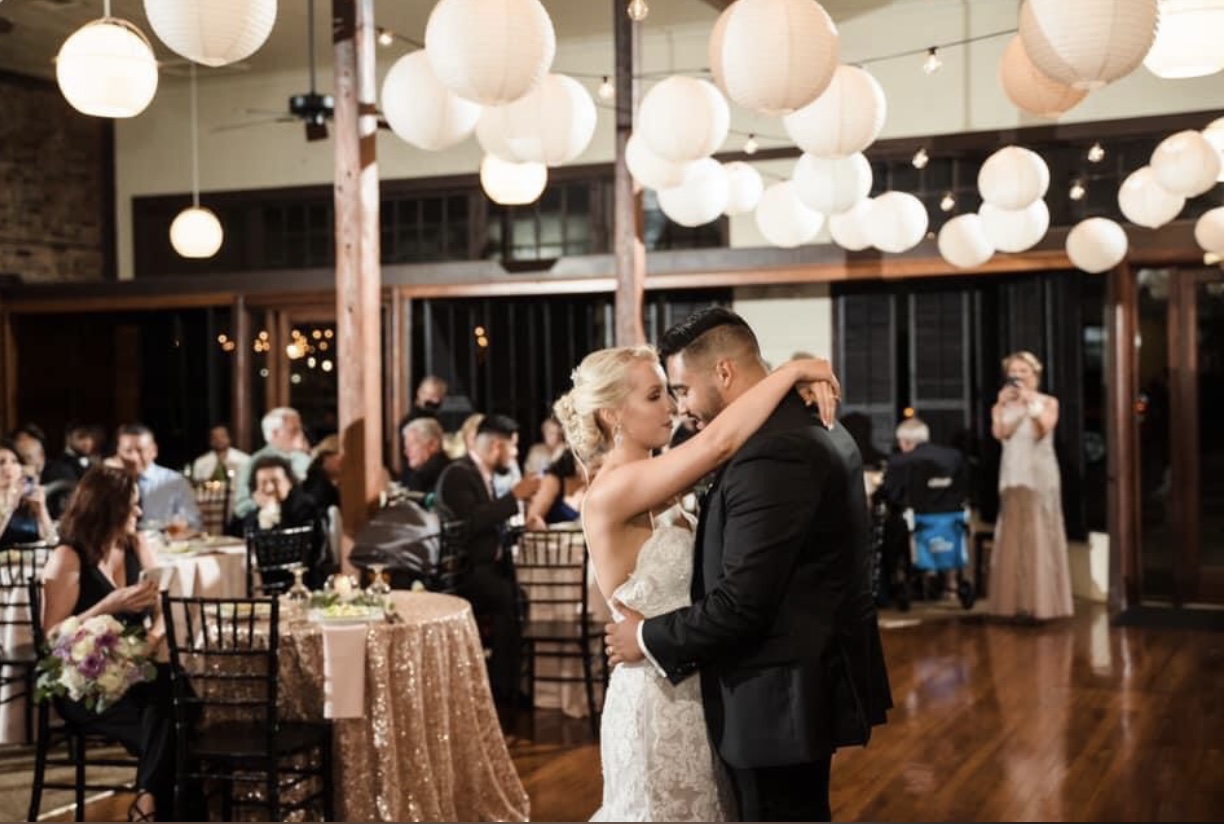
column 783, row 625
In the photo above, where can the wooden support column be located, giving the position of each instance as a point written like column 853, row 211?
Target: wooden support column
column 628, row 247
column 358, row 322
column 240, row 409
column 1122, row 438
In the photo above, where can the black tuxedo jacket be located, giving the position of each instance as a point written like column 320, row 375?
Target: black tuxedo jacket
column 783, row 625
column 462, row 496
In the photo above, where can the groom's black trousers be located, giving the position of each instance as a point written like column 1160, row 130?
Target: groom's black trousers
column 795, row 792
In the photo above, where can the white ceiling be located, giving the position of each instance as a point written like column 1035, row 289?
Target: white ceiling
column 39, row 27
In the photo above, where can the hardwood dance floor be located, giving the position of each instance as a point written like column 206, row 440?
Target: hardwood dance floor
column 1077, row 721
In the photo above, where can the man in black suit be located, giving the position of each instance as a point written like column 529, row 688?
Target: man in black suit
column 465, row 493
column 783, row 625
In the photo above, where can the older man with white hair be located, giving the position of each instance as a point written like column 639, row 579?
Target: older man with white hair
column 282, row 430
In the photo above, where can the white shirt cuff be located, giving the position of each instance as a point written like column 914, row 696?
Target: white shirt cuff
column 642, row 646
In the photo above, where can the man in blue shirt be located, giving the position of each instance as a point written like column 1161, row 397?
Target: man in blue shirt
column 164, row 493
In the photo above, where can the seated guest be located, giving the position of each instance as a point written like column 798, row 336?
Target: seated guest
column 81, row 446
column 281, row 504
column 282, row 430
column 323, row 477
column 222, row 461
column 562, row 488
column 95, row 571
column 465, row 493
column 424, row 454
column 165, row 495
column 24, row 517
column 542, row 455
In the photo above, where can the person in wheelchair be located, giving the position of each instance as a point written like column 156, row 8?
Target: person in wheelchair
column 928, row 485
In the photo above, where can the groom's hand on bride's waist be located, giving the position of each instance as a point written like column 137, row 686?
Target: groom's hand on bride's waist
column 622, row 638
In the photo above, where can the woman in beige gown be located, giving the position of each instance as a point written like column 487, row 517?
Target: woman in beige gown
column 1029, row 573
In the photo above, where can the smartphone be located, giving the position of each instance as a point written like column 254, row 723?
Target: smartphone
column 1016, row 382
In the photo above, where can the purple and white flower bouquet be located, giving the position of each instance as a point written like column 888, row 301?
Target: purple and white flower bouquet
column 95, row 661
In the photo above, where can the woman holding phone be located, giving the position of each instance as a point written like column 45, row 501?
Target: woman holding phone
column 24, row 518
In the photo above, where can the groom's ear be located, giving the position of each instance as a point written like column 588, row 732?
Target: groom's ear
column 724, row 370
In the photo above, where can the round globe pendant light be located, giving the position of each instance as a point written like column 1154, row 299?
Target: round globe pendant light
column 106, row 68
column 196, row 232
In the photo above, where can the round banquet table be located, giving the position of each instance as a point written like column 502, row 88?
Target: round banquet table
column 427, row 745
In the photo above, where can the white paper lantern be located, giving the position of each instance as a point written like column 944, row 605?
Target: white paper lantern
column 744, row 188
column 1087, row 43
column 776, row 56
column 1186, row 164
column 683, row 118
column 490, row 51
column 1209, row 231
column 847, row 227
column 212, row 32
column 1215, row 136
column 1145, row 202
column 512, row 184
column 962, row 242
column 715, row 47
column 1188, row 39
column 783, row 219
column 551, row 124
column 897, row 222
column 1013, row 178
column 420, row 110
column 832, row 185
column 649, row 169
column 106, row 68
column 1029, row 88
column 700, row 198
column 196, row 233
column 846, row 119
column 1096, row 245
column 1015, row 231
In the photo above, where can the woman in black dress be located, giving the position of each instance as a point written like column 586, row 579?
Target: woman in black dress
column 96, row 571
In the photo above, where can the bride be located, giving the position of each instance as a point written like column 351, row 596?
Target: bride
column 657, row 761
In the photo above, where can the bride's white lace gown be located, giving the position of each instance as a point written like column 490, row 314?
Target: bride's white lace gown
column 657, row 760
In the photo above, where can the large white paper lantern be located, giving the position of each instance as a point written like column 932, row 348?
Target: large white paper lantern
column 683, row 118
column 1013, row 178
column 420, row 110
column 1087, row 43
column 832, row 185
column 700, row 198
column 1145, row 202
column 490, row 51
column 783, row 219
column 1015, row 230
column 775, row 56
column 512, row 184
column 1188, row 39
column 962, row 242
column 847, row 227
column 1186, row 163
column 1215, row 136
column 897, row 222
column 649, row 169
column 106, row 68
column 1096, row 245
column 744, row 188
column 196, row 233
column 212, row 32
column 846, row 119
column 1029, row 88
column 1209, row 231
column 551, row 124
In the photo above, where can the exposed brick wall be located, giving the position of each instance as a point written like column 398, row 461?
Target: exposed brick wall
column 56, row 192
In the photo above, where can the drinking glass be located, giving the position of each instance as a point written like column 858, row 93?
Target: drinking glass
column 298, row 595
column 378, row 585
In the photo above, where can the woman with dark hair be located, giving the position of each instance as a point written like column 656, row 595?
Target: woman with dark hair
column 24, row 517
column 283, row 504
column 96, row 571
column 559, row 498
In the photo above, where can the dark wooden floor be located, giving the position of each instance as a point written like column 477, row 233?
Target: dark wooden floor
column 1077, row 721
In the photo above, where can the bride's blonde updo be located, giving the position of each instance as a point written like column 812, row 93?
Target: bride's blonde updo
column 601, row 381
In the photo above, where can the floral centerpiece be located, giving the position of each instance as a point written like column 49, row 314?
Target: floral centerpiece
column 95, row 662
column 343, row 599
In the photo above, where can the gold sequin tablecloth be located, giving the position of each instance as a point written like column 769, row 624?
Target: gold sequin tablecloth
column 429, row 747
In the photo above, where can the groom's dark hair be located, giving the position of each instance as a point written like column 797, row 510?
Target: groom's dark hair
column 709, row 331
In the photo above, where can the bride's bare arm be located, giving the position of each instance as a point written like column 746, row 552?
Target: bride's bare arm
column 640, row 486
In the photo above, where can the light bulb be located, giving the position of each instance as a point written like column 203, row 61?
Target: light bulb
column 385, row 38
column 638, row 10
column 948, row 203
column 920, row 159
column 1077, row 190
column 751, row 145
column 932, row 62
column 606, row 90
column 1097, row 153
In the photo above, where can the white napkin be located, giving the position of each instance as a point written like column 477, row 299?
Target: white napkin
column 344, row 647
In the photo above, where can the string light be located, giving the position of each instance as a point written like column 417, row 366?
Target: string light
column 751, row 145
column 932, row 62
column 638, row 10
column 948, row 203
column 1097, row 153
column 920, row 159
column 1077, row 190
column 606, row 90
column 385, row 38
